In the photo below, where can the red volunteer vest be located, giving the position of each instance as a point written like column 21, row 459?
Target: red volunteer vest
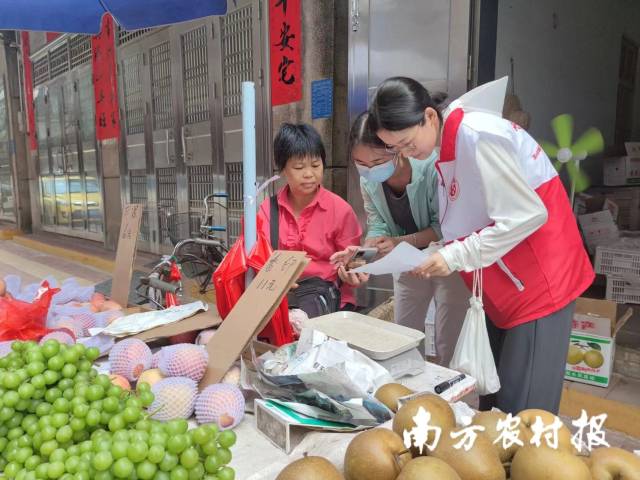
column 546, row 271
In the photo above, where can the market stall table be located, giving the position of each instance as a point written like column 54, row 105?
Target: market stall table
column 256, row 458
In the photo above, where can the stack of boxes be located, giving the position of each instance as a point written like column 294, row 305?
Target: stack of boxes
column 609, row 219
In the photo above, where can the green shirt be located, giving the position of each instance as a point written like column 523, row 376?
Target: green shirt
column 422, row 193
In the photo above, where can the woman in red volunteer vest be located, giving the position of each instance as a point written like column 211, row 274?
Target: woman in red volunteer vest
column 503, row 209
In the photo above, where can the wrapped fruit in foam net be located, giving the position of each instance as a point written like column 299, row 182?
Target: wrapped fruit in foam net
column 79, row 325
column 5, row 348
column 232, row 376
column 222, row 404
column 62, row 336
column 156, row 359
column 97, row 300
column 184, row 360
column 204, row 336
column 130, row 358
column 174, row 398
column 103, row 319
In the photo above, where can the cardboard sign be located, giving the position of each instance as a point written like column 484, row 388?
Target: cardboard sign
column 252, row 312
column 125, row 255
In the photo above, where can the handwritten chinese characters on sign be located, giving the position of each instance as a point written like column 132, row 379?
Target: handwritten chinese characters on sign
column 125, row 254
column 285, row 39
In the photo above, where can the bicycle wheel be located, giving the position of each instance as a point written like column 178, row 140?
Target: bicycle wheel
column 198, row 270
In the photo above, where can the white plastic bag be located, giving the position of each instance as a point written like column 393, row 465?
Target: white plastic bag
column 473, row 354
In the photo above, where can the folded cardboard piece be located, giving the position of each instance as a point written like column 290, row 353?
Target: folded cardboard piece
column 593, row 341
column 199, row 321
column 126, row 252
column 253, row 311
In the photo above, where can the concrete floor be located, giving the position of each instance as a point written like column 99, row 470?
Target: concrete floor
column 34, row 265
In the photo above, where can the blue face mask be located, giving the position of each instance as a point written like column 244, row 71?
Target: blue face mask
column 379, row 173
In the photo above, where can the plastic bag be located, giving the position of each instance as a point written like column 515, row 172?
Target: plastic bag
column 13, row 283
column 25, row 321
column 473, row 354
column 229, row 282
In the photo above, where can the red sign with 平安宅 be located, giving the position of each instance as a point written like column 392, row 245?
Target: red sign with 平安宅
column 105, row 81
column 285, row 37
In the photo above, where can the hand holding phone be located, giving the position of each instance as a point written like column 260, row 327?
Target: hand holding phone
column 362, row 256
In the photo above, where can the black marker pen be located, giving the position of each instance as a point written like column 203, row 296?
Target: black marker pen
column 441, row 387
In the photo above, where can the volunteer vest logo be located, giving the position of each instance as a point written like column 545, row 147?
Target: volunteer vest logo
column 536, row 154
column 454, row 190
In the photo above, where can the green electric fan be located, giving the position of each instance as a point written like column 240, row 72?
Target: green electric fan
column 566, row 153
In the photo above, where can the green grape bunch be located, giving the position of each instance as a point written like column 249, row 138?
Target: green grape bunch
column 61, row 419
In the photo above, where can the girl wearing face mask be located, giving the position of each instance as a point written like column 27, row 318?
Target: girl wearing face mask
column 504, row 211
column 400, row 200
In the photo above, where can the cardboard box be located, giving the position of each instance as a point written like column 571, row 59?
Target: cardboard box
column 624, row 170
column 598, row 228
column 623, row 202
column 593, row 341
column 252, row 312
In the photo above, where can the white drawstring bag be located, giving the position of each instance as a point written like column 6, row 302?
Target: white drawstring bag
column 473, row 354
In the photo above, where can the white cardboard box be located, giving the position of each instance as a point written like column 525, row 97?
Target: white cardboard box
column 593, row 341
column 598, row 228
column 624, row 170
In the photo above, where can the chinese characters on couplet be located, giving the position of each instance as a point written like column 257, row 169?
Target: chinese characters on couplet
column 285, row 45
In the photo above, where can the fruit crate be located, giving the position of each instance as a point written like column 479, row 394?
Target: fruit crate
column 623, row 290
column 621, row 260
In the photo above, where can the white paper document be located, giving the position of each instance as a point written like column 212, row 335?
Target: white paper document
column 141, row 322
column 403, row 258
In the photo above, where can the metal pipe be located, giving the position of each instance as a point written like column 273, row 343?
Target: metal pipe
column 249, row 164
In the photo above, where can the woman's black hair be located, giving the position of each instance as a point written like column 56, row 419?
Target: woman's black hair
column 301, row 140
column 361, row 133
column 400, row 102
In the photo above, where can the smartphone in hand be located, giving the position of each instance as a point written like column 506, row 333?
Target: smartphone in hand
column 362, row 256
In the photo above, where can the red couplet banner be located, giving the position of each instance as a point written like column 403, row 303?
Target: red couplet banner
column 285, row 37
column 105, row 82
column 28, row 90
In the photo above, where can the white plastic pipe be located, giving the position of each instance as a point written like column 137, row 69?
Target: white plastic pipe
column 249, row 164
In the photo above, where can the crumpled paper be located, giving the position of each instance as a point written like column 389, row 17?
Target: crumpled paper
column 323, row 378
